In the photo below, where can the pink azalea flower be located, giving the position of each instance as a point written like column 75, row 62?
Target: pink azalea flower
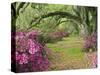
column 32, row 47
column 94, row 61
column 23, row 59
column 18, row 56
column 32, row 50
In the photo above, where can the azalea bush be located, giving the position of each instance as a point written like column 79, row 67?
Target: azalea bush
column 52, row 36
column 60, row 34
column 92, row 57
column 90, row 43
column 29, row 54
column 94, row 61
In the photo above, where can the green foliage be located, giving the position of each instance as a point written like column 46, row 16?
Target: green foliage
column 47, row 17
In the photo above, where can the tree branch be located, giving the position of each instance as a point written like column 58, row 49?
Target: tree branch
column 61, row 14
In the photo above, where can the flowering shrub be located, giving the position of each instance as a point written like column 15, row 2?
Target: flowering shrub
column 30, row 55
column 92, row 57
column 90, row 42
column 60, row 34
column 94, row 61
column 55, row 36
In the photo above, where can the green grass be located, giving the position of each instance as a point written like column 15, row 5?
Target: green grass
column 67, row 54
column 72, row 45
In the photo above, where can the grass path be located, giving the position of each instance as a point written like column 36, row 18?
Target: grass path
column 67, row 54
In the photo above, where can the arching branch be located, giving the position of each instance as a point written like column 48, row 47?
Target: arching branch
column 61, row 14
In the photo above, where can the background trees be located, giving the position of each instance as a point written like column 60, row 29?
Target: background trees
column 28, row 16
column 76, row 20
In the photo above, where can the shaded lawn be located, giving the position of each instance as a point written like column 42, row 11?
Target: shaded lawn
column 67, row 54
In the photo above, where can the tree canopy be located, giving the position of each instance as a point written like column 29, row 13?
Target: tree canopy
column 27, row 16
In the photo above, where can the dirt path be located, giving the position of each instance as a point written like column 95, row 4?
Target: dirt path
column 67, row 54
